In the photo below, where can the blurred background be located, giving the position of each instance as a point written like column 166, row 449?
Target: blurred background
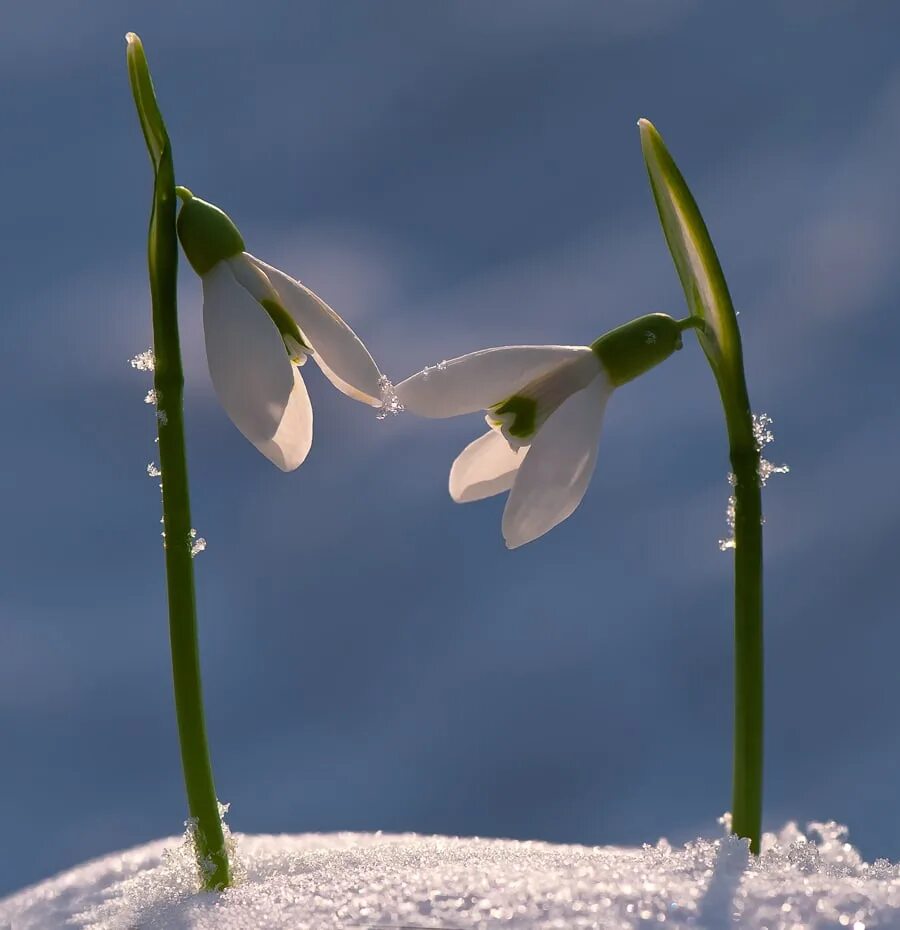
column 450, row 176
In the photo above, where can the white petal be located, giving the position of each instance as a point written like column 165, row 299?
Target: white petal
column 476, row 381
column 291, row 443
column 554, row 476
column 254, row 380
column 251, row 277
column 484, row 468
column 339, row 352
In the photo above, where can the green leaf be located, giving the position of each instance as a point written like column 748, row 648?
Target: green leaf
column 696, row 262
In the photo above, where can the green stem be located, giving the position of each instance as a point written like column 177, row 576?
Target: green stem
column 746, row 810
column 211, row 850
column 717, row 330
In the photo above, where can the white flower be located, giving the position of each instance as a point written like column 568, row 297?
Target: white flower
column 260, row 325
column 545, row 407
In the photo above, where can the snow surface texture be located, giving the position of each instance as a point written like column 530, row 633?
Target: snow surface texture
column 319, row 882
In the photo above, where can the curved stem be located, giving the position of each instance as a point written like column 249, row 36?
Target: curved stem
column 211, row 850
column 710, row 304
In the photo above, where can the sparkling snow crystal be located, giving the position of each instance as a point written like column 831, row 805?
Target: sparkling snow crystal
column 390, row 402
column 813, row 881
column 143, row 361
column 763, row 436
column 196, row 543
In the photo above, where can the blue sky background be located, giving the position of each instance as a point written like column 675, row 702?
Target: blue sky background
column 450, row 176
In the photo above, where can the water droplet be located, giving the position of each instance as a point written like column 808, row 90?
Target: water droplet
column 143, row 361
column 426, row 372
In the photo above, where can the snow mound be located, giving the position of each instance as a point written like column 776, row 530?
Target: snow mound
column 320, row 882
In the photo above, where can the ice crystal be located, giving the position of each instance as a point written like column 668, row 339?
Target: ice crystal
column 197, row 544
column 390, row 402
column 153, row 470
column 762, row 436
column 150, row 397
column 143, row 361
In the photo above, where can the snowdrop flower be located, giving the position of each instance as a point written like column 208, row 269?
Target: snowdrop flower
column 260, row 325
column 545, row 407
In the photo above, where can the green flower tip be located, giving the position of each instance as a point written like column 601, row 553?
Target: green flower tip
column 208, row 235
column 652, row 145
column 152, row 124
column 635, row 347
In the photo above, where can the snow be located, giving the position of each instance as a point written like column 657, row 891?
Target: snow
column 143, row 361
column 762, row 435
column 320, row 882
column 390, row 402
column 196, row 543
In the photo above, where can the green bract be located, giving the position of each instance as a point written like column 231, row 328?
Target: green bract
column 637, row 346
column 208, row 235
column 700, row 273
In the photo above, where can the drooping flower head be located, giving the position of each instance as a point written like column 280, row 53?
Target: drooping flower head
column 260, row 325
column 545, row 407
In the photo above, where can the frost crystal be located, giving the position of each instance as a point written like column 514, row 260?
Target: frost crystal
column 153, row 470
column 812, row 881
column 390, row 403
column 762, row 435
column 730, row 514
column 150, row 397
column 143, row 361
column 197, row 545
column 185, row 857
